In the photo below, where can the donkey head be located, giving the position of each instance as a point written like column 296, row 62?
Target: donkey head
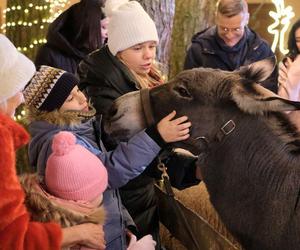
column 209, row 97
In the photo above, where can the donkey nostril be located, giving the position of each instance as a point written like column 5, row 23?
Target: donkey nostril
column 113, row 114
column 112, row 111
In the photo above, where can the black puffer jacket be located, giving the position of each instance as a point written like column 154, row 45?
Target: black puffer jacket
column 59, row 51
column 209, row 51
column 104, row 78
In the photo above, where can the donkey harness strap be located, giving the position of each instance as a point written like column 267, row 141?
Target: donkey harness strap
column 146, row 104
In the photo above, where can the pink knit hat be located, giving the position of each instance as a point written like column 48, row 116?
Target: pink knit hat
column 73, row 172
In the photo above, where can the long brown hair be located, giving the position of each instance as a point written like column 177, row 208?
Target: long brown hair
column 83, row 25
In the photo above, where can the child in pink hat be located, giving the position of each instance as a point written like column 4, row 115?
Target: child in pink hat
column 79, row 177
column 73, row 172
column 56, row 104
column 75, row 181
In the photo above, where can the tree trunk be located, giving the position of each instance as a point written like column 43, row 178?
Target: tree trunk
column 162, row 12
column 190, row 17
column 175, row 28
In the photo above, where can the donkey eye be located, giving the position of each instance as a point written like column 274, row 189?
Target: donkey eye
column 183, row 92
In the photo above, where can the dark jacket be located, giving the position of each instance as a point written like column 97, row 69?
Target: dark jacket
column 104, row 78
column 209, row 51
column 59, row 52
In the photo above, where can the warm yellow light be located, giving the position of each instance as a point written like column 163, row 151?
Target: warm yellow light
column 50, row 10
column 281, row 23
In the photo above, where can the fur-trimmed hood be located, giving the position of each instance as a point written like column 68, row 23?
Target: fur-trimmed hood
column 44, row 207
column 60, row 118
column 44, row 125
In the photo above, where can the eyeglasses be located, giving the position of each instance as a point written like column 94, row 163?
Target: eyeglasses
column 225, row 30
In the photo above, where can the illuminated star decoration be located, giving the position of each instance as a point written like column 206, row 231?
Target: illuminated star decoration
column 282, row 18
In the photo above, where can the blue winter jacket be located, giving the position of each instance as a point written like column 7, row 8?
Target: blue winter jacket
column 124, row 163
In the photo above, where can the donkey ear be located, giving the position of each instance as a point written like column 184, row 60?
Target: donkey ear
column 258, row 71
column 257, row 100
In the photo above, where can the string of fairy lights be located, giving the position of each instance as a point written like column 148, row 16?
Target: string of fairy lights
column 32, row 18
column 26, row 23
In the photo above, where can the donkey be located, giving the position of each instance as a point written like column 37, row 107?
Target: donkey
column 248, row 149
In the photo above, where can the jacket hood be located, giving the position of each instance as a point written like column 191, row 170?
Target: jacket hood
column 57, row 34
column 56, row 117
column 44, row 126
column 206, row 34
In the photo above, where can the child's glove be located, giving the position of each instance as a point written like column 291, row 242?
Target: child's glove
column 145, row 243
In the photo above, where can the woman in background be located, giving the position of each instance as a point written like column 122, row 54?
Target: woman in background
column 72, row 35
column 289, row 72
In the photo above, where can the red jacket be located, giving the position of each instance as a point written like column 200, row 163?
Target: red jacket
column 16, row 230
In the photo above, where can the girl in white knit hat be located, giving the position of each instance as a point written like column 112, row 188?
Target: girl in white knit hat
column 127, row 64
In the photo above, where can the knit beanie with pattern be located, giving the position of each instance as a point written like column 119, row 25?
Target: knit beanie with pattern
column 129, row 24
column 72, row 171
column 49, row 88
column 15, row 69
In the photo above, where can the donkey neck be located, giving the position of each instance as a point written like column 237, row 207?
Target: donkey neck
column 254, row 154
column 253, row 176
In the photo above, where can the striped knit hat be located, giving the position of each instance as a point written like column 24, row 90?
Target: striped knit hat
column 49, row 88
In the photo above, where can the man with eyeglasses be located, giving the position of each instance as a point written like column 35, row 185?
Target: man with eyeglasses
column 230, row 43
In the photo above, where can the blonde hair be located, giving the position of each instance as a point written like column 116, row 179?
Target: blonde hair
column 230, row 8
column 152, row 79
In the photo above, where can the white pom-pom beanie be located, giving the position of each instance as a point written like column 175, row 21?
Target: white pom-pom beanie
column 15, row 69
column 129, row 24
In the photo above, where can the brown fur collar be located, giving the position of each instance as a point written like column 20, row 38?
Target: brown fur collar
column 65, row 118
column 44, row 210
